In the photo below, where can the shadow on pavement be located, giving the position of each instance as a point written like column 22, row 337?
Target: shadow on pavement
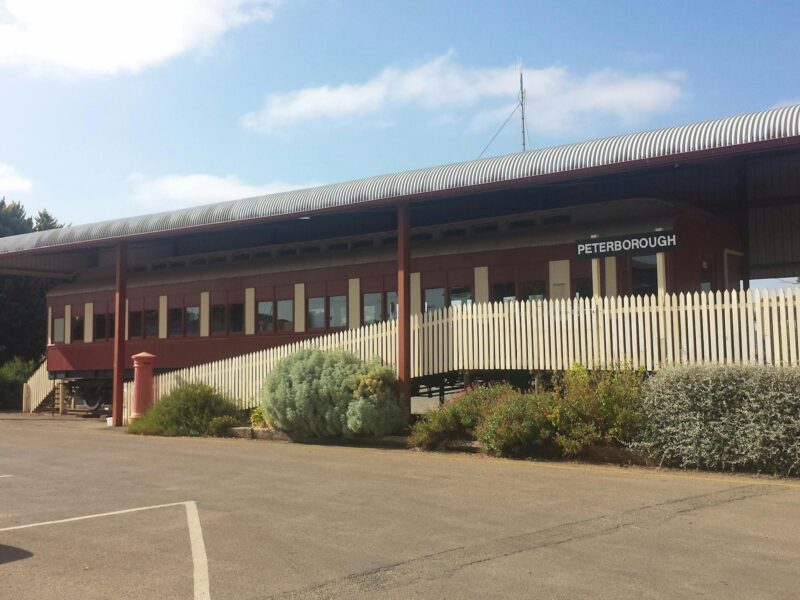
column 10, row 554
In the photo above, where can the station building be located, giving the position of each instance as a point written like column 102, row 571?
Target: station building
column 706, row 206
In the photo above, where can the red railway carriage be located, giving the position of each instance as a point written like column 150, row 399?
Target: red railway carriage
column 698, row 207
column 206, row 306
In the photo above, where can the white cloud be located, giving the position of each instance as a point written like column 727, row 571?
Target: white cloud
column 109, row 36
column 181, row 191
column 557, row 98
column 11, row 181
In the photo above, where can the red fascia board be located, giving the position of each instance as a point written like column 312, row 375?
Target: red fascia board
column 574, row 174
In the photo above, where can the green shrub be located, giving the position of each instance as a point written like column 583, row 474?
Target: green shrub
column 519, row 425
column 585, row 408
column 257, row 418
column 332, row 394
column 437, row 427
column 596, row 406
column 219, row 426
column 724, row 417
column 458, row 418
column 13, row 375
column 376, row 408
column 188, row 410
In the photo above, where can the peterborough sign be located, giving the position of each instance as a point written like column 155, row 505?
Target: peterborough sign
column 640, row 243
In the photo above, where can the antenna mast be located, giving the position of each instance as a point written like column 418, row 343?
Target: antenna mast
column 522, row 107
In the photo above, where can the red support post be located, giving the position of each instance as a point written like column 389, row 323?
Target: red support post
column 120, row 316
column 404, row 305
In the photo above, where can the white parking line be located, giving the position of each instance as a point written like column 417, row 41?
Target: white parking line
column 2, row 476
column 201, row 584
column 199, row 558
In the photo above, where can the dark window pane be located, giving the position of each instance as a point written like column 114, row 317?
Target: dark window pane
column 175, row 322
column 77, row 328
column 460, row 296
column 372, row 309
column 504, row 292
column 534, row 290
column 219, row 314
column 706, row 282
column 135, row 323
column 58, row 330
column 151, row 323
column 265, row 319
column 100, row 329
column 285, row 315
column 583, row 288
column 236, row 318
column 192, row 320
column 111, row 324
column 337, row 307
column 391, row 305
column 644, row 275
column 434, row 299
column 316, row 313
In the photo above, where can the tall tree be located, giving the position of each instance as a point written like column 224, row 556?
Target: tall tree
column 44, row 221
column 23, row 300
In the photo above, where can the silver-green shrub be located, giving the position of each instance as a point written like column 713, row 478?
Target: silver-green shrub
column 332, row 394
column 723, row 417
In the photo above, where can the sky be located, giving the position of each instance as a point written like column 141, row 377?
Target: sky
column 110, row 108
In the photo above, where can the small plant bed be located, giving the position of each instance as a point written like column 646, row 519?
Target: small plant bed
column 192, row 410
column 582, row 412
column 722, row 418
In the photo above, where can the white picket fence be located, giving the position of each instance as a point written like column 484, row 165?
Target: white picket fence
column 604, row 333
column 36, row 389
column 240, row 377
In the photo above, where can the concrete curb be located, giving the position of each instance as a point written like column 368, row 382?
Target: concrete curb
column 259, row 433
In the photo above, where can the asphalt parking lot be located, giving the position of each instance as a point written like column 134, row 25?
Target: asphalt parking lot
column 88, row 512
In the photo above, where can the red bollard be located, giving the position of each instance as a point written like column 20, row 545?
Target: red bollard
column 142, row 384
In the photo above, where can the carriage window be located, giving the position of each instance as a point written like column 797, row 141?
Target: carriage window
column 236, row 318
column 175, row 322
column 337, row 309
column 460, row 296
column 77, row 328
column 112, row 333
column 534, row 290
column 265, row 320
column 505, row 292
column 58, row 331
column 100, row 329
column 151, row 323
column 192, row 315
column 583, row 287
column 316, row 313
column 434, row 298
column 644, row 275
column 706, row 282
column 372, row 308
column 391, row 305
column 285, row 315
column 135, row 323
column 219, row 320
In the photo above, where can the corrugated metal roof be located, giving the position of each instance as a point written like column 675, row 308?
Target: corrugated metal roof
column 761, row 126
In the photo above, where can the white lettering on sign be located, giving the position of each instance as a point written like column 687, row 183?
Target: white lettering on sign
column 656, row 242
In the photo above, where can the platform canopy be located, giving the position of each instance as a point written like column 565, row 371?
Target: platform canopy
column 775, row 237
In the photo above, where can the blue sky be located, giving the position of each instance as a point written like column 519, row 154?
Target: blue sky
column 110, row 109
